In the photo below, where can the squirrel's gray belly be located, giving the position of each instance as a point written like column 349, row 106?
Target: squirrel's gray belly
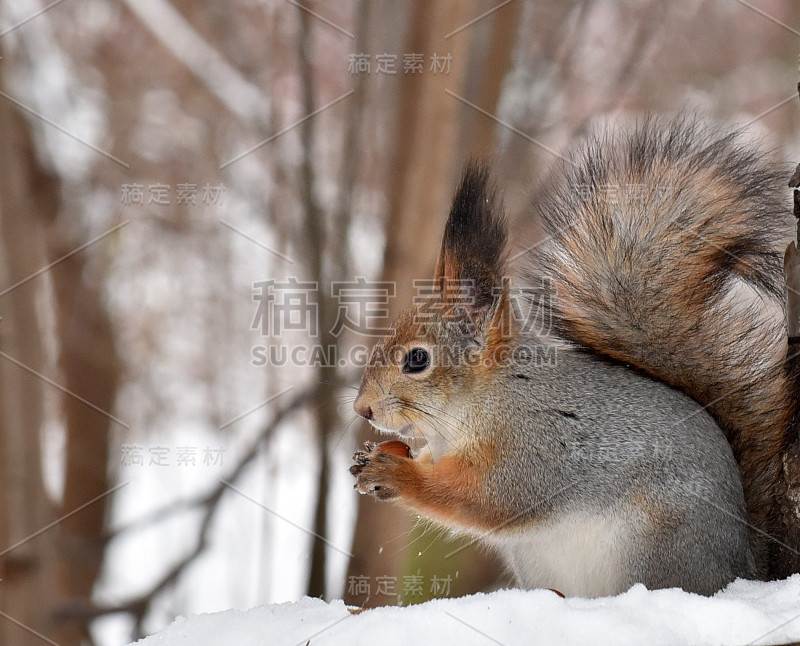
column 577, row 553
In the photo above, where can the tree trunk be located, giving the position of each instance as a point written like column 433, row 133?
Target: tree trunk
column 317, row 251
column 480, row 136
column 27, row 562
column 789, row 497
column 423, row 171
column 61, row 564
column 90, row 369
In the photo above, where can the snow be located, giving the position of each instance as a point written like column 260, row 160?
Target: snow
column 746, row 612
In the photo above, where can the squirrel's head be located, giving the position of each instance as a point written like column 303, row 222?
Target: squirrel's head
column 445, row 349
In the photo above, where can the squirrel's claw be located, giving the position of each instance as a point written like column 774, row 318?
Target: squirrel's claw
column 376, row 475
column 361, row 457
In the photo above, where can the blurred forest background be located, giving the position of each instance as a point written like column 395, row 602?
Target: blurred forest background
column 189, row 188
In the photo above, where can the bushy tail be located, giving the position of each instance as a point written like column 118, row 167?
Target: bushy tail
column 664, row 251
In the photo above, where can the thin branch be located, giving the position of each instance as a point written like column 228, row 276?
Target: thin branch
column 351, row 142
column 140, row 605
column 224, row 81
column 314, row 225
column 188, row 504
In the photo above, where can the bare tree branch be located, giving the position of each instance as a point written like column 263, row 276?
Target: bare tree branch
column 140, row 605
column 171, row 29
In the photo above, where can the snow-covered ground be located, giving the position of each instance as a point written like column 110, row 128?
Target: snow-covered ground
column 746, row 612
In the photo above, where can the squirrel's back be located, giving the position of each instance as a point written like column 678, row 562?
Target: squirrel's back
column 664, row 250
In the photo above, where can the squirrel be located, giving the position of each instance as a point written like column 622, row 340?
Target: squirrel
column 632, row 431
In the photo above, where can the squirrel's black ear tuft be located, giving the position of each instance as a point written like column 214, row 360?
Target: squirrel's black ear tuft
column 474, row 242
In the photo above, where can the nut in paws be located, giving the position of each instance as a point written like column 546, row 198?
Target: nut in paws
column 376, row 474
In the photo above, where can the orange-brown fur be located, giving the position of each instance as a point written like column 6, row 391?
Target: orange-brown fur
column 448, row 491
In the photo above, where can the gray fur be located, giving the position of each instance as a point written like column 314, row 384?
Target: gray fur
column 624, row 437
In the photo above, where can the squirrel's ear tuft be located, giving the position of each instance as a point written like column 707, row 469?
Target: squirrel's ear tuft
column 473, row 247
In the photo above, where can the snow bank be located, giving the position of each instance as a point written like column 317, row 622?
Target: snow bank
column 747, row 612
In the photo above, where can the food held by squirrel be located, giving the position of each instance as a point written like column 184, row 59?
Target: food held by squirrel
column 611, row 411
column 395, row 447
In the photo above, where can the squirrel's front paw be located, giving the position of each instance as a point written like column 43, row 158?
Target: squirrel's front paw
column 377, row 473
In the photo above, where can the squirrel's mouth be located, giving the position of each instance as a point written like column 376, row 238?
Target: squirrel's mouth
column 407, row 430
column 413, row 435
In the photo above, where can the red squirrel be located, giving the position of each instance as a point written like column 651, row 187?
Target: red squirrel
column 633, row 435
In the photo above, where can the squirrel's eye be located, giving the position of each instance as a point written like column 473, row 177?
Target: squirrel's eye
column 416, row 360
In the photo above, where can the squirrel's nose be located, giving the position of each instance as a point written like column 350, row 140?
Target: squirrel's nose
column 363, row 409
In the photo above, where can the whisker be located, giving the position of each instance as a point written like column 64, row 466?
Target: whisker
column 344, row 403
column 455, row 425
column 446, row 429
column 443, row 412
column 405, row 416
column 345, row 431
column 406, row 535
